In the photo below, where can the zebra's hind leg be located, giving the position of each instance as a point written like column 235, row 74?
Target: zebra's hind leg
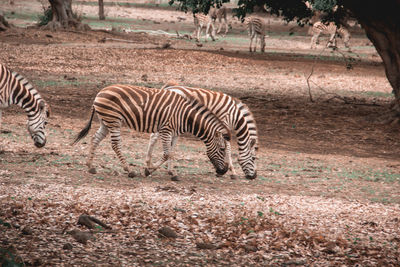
column 96, row 139
column 116, row 146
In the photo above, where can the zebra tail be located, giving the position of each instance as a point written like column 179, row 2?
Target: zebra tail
column 85, row 130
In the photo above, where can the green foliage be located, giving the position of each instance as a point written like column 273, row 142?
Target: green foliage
column 197, row 5
column 324, row 5
column 46, row 17
column 8, row 259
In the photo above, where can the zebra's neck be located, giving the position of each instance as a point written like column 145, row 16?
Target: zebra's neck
column 201, row 122
column 23, row 94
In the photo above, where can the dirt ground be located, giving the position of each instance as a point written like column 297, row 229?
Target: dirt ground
column 327, row 191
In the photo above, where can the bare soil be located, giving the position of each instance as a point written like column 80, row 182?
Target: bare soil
column 327, row 190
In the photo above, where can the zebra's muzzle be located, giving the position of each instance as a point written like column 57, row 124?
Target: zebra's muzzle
column 222, row 171
column 39, row 144
column 252, row 177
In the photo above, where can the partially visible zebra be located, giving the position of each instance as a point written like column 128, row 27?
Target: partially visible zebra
column 235, row 114
column 256, row 28
column 220, row 14
column 201, row 21
column 319, row 28
column 153, row 110
column 16, row 90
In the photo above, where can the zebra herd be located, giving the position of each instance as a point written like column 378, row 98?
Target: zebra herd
column 257, row 26
column 167, row 113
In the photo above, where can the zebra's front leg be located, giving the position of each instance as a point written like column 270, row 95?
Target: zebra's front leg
column 173, row 144
column 150, row 148
column 229, row 158
column 116, row 146
column 96, row 139
column 166, row 141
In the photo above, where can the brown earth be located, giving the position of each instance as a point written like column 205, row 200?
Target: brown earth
column 327, row 191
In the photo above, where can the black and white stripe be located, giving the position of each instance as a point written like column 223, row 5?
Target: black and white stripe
column 256, row 28
column 330, row 29
column 153, row 110
column 235, row 114
column 201, row 21
column 16, row 90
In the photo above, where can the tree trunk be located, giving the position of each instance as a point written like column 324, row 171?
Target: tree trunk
column 63, row 17
column 4, row 25
column 101, row 10
column 382, row 26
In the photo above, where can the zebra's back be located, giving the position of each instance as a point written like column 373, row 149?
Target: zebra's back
column 136, row 106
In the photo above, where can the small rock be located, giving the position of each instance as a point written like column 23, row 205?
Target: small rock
column 27, row 230
column 131, row 174
column 92, row 170
column 234, row 177
column 145, row 77
column 67, row 246
column 205, row 246
column 175, row 178
column 250, row 248
column 167, row 232
column 81, row 237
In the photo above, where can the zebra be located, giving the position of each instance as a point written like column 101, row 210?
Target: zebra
column 235, row 114
column 220, row 13
column 319, row 28
column 152, row 110
column 201, row 21
column 256, row 27
column 16, row 90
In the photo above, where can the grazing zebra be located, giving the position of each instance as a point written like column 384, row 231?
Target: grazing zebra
column 235, row 114
column 256, row 27
column 153, row 110
column 16, row 90
column 201, row 21
column 220, row 14
column 319, row 28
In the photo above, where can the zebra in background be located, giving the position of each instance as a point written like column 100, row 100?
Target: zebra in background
column 16, row 90
column 235, row 114
column 201, row 21
column 152, row 110
column 256, row 28
column 331, row 29
column 220, row 13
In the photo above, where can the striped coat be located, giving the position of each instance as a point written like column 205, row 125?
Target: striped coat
column 201, row 21
column 235, row 114
column 16, row 90
column 151, row 110
column 256, row 28
column 330, row 29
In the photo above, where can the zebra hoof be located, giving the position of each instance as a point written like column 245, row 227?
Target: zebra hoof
column 175, row 178
column 147, row 172
column 131, row 174
column 92, row 170
column 234, row 177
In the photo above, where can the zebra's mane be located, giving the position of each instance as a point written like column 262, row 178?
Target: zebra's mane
column 196, row 104
column 26, row 85
column 247, row 114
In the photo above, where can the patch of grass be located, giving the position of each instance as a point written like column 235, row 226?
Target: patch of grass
column 377, row 94
column 163, row 5
column 60, row 82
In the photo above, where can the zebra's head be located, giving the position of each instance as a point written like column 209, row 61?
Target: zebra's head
column 216, row 150
column 247, row 159
column 37, row 121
